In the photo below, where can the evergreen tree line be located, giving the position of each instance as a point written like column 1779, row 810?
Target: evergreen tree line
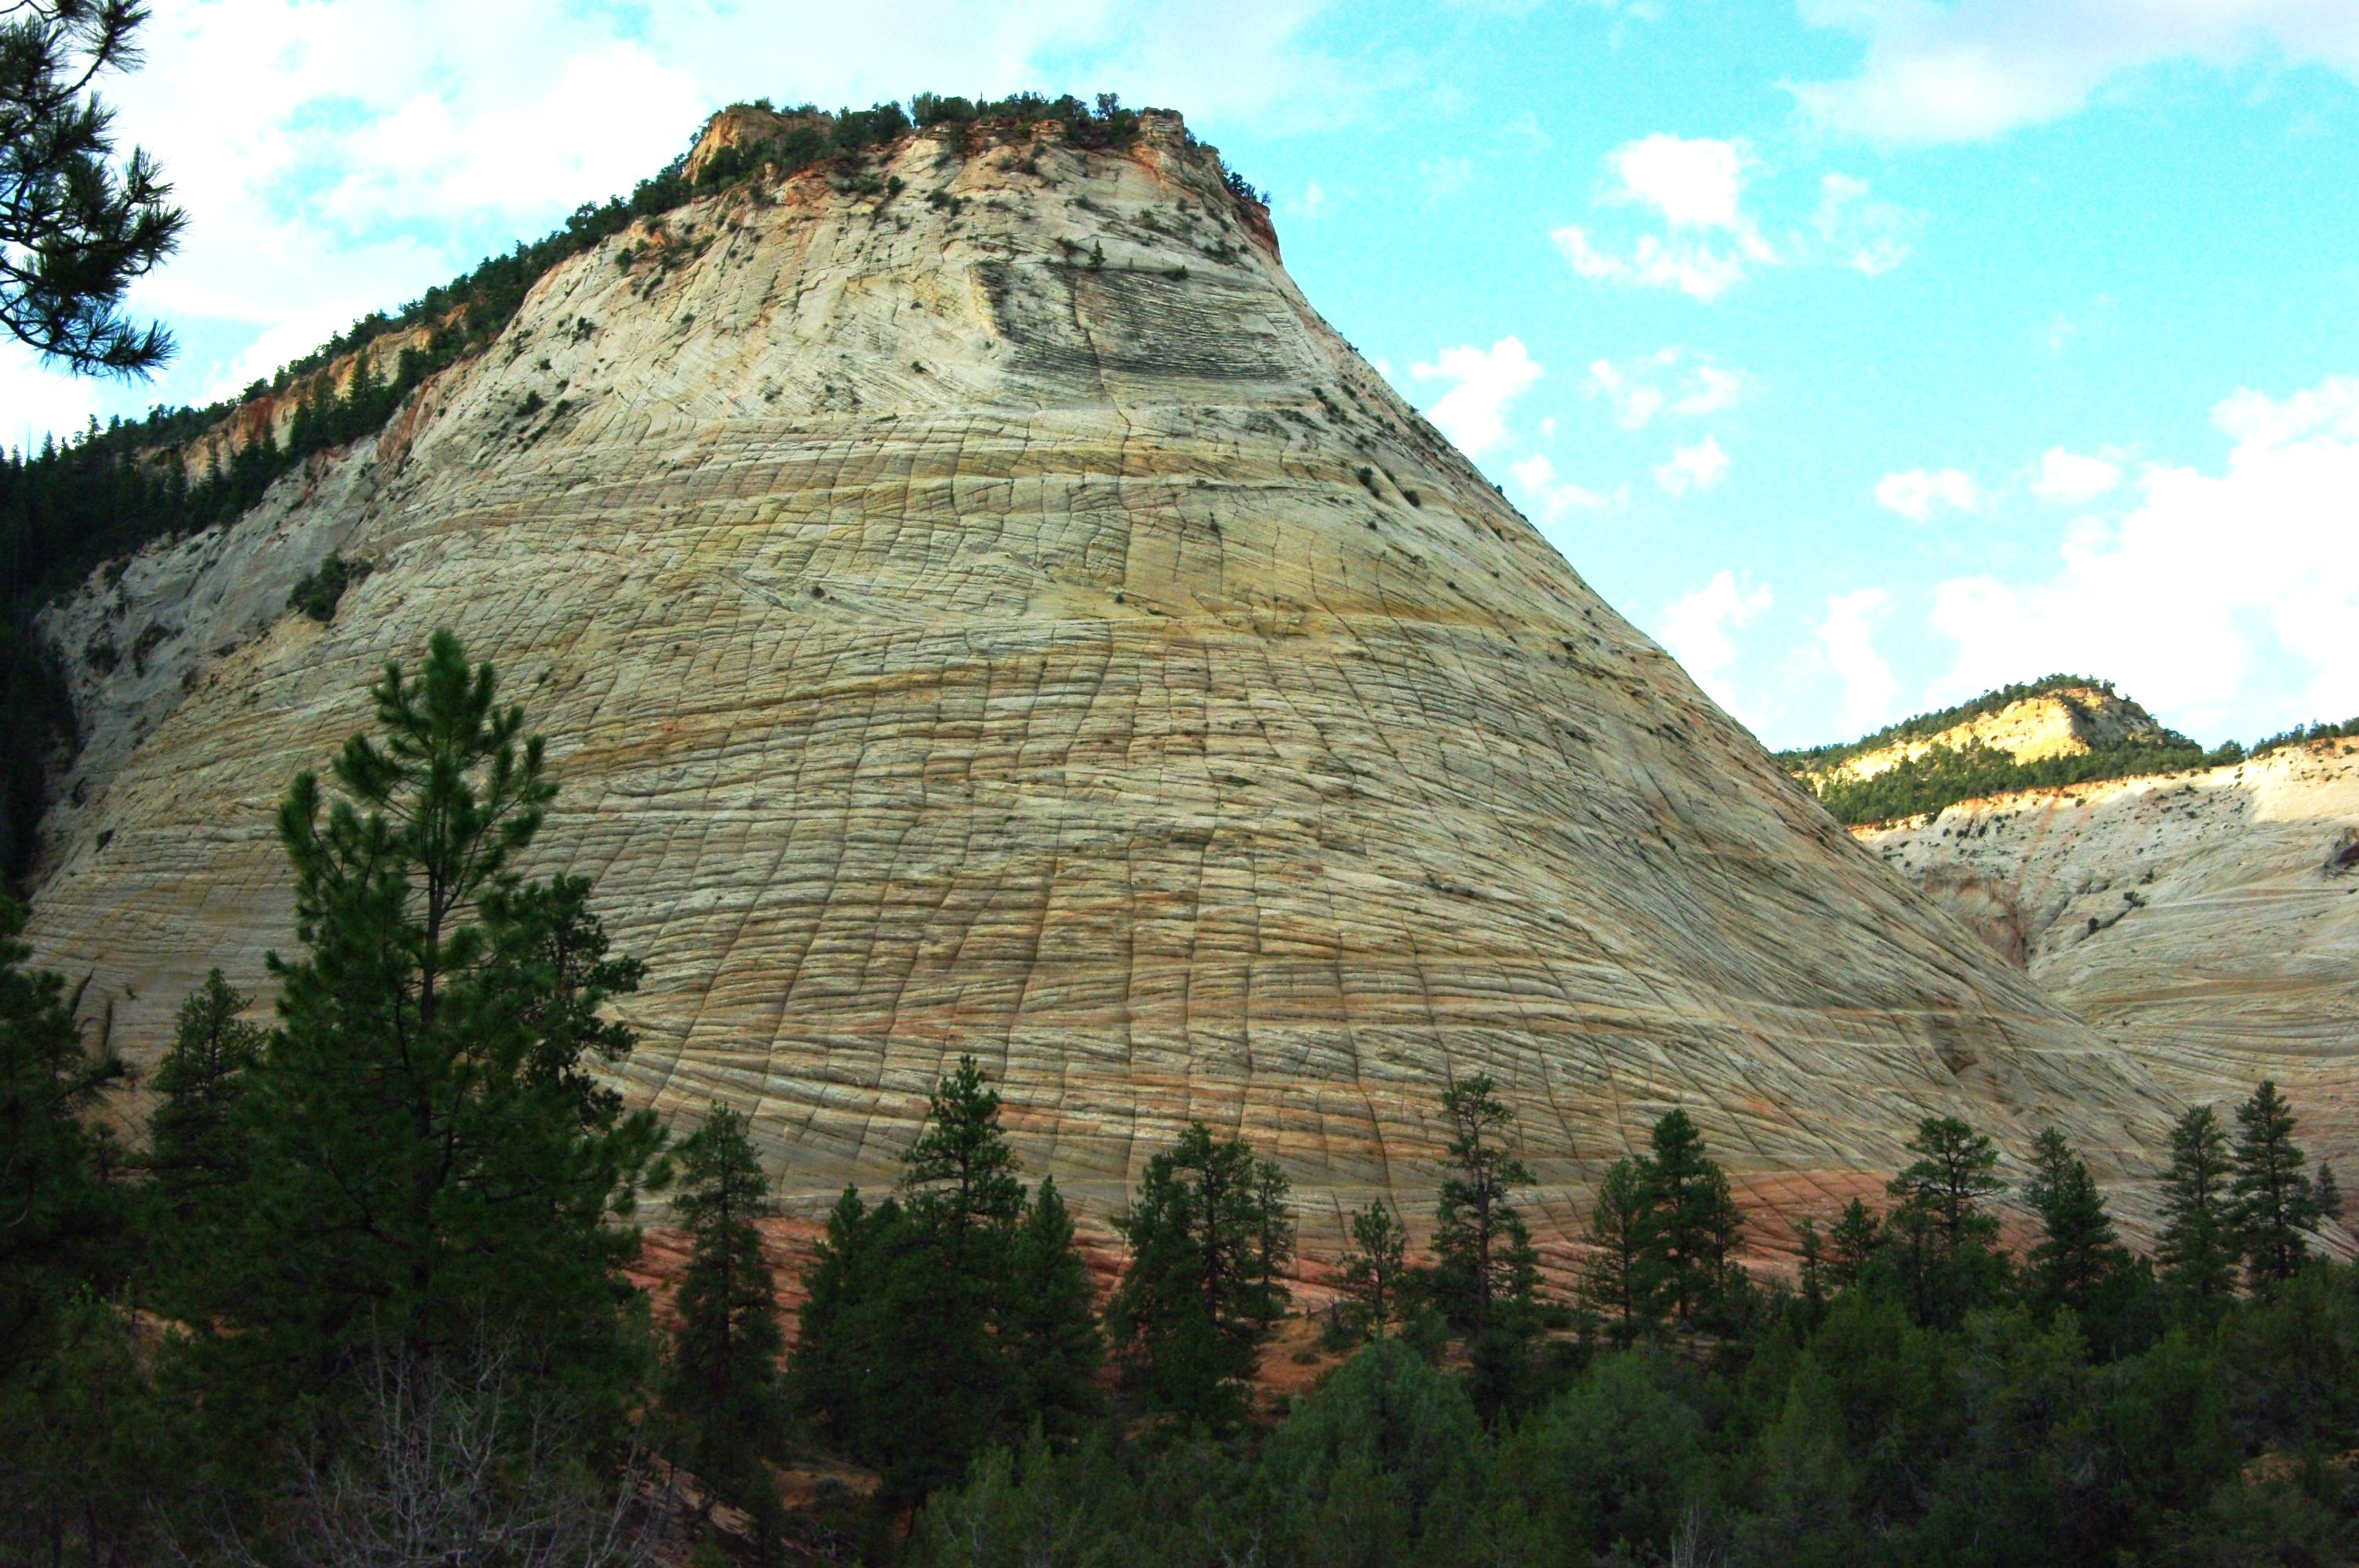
column 360, row 1297
column 1920, row 1395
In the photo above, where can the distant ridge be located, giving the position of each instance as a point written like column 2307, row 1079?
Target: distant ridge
column 2060, row 730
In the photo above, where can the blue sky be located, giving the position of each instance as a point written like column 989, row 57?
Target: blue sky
column 1867, row 353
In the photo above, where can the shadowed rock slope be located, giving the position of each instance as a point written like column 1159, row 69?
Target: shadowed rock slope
column 994, row 613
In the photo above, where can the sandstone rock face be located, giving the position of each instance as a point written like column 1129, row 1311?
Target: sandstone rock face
column 1000, row 616
column 2207, row 922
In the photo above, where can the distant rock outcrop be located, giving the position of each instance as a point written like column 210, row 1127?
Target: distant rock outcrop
column 2207, row 921
column 977, row 605
column 2067, row 721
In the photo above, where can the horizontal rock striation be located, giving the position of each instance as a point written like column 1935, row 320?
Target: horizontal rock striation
column 977, row 605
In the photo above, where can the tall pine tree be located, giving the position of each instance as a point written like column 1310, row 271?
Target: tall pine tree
column 721, row 1388
column 1940, row 1237
column 1371, row 1266
column 2199, row 1251
column 1190, row 1314
column 1854, row 1242
column 2077, row 1247
column 1049, row 1334
column 430, row 1160
column 61, row 1215
column 1613, row 1275
column 2275, row 1205
column 952, row 1315
column 1691, row 1225
column 196, row 1153
column 1486, row 1271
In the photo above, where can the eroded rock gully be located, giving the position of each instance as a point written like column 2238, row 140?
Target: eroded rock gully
column 1000, row 616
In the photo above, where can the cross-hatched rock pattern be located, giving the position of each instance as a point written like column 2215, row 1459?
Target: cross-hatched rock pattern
column 978, row 606
column 2208, row 921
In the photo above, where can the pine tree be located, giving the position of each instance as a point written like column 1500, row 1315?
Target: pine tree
column 952, row 1315
column 430, row 1160
column 1484, row 1268
column 1612, row 1277
column 1856, row 1239
column 827, row 1372
column 1813, row 1280
column 196, row 1153
column 1939, row 1236
column 1950, row 1177
column 2275, row 1202
column 2199, row 1251
column 2077, row 1247
column 2326, row 1194
column 1691, row 1224
column 1050, row 1335
column 721, row 1388
column 1188, row 1316
column 1372, row 1267
column 61, row 1216
column 960, row 1176
column 1272, row 1241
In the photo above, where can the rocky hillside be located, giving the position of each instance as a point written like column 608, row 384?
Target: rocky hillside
column 2206, row 921
column 2062, row 729
column 2059, row 722
column 978, row 605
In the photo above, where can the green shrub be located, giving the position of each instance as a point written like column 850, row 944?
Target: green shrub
column 322, row 590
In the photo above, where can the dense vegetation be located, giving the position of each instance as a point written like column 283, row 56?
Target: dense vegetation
column 110, row 491
column 1945, row 775
column 361, row 1299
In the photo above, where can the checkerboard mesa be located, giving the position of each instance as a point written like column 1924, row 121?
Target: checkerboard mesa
column 978, row 606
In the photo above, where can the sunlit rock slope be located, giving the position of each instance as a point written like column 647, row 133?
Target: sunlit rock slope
column 977, row 605
column 2207, row 921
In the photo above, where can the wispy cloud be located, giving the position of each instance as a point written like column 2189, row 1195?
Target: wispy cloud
column 1697, row 628
column 1696, row 188
column 1848, row 636
column 2213, row 595
column 1667, row 382
column 1699, row 468
column 1482, row 383
column 1552, row 497
column 2071, row 479
column 1968, row 71
column 1918, row 493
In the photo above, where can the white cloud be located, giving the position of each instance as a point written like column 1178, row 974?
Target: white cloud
column 1699, row 468
column 1973, row 70
column 1552, row 497
column 1696, row 186
column 1655, row 384
column 2216, row 599
column 1313, row 205
column 1691, row 267
column 339, row 157
column 1696, row 629
column 1916, row 493
column 1473, row 413
column 2071, row 479
column 1694, row 183
column 1872, row 237
column 1847, row 635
